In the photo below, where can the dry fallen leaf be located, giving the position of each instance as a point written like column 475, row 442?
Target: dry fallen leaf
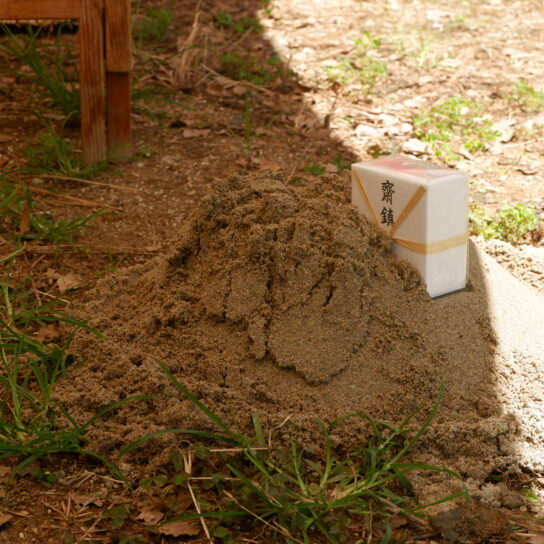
column 195, row 132
column 179, row 528
column 27, row 469
column 150, row 510
column 536, row 538
column 85, row 500
column 4, row 518
column 48, row 333
column 5, row 138
column 505, row 128
column 399, row 521
column 5, row 473
column 529, row 168
column 415, row 146
column 366, row 131
column 150, row 516
column 239, row 90
column 184, row 501
column 52, row 274
column 269, row 165
column 67, row 282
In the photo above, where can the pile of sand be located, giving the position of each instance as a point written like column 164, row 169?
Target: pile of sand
column 282, row 300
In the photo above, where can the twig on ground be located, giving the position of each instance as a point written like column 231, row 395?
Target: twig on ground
column 73, row 199
column 99, row 249
column 236, row 450
column 199, row 511
column 274, row 527
column 48, row 295
column 88, row 181
column 232, row 83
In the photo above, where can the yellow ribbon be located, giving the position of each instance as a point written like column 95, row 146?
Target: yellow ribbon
column 364, row 195
column 423, row 248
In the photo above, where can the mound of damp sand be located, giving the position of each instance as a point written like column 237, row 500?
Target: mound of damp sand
column 281, row 300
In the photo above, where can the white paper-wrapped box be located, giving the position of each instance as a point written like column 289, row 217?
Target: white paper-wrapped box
column 424, row 207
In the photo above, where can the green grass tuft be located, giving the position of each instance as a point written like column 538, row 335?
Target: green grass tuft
column 53, row 66
column 455, row 119
column 513, row 224
column 247, row 67
column 33, row 424
column 16, row 203
column 154, row 26
column 299, row 494
column 240, row 26
column 359, row 68
column 527, row 98
column 54, row 154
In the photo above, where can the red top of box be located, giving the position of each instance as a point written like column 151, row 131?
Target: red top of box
column 424, row 170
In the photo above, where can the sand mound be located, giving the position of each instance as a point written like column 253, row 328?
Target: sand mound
column 283, row 301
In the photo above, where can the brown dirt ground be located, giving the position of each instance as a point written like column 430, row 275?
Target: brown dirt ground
column 213, row 130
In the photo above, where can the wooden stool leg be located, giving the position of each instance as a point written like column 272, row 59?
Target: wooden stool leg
column 118, row 89
column 92, row 84
column 118, row 66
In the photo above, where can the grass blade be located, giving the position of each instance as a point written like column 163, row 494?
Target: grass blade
column 111, row 407
column 138, row 442
column 202, row 407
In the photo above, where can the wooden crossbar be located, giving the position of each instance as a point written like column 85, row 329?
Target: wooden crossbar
column 104, row 67
column 17, row 10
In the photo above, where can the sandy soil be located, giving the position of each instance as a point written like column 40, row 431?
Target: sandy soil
column 282, row 301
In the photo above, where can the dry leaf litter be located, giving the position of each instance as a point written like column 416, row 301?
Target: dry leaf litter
column 281, row 300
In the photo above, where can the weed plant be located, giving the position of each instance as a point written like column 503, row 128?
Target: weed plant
column 527, row 98
column 247, row 67
column 299, row 494
column 223, row 19
column 16, row 201
column 54, row 154
column 455, row 118
column 237, row 63
column 360, row 67
column 154, row 26
column 56, row 231
column 513, row 224
column 48, row 63
column 29, row 370
column 140, row 96
column 314, row 169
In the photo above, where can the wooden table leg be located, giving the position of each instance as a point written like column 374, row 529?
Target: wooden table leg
column 92, row 81
column 118, row 66
column 118, row 121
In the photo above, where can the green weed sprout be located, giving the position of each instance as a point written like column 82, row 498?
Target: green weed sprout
column 154, row 26
column 454, row 118
column 48, row 64
column 240, row 26
column 246, row 67
column 512, row 224
column 526, row 97
column 16, row 199
column 54, row 154
column 360, row 67
column 300, row 495
column 314, row 169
